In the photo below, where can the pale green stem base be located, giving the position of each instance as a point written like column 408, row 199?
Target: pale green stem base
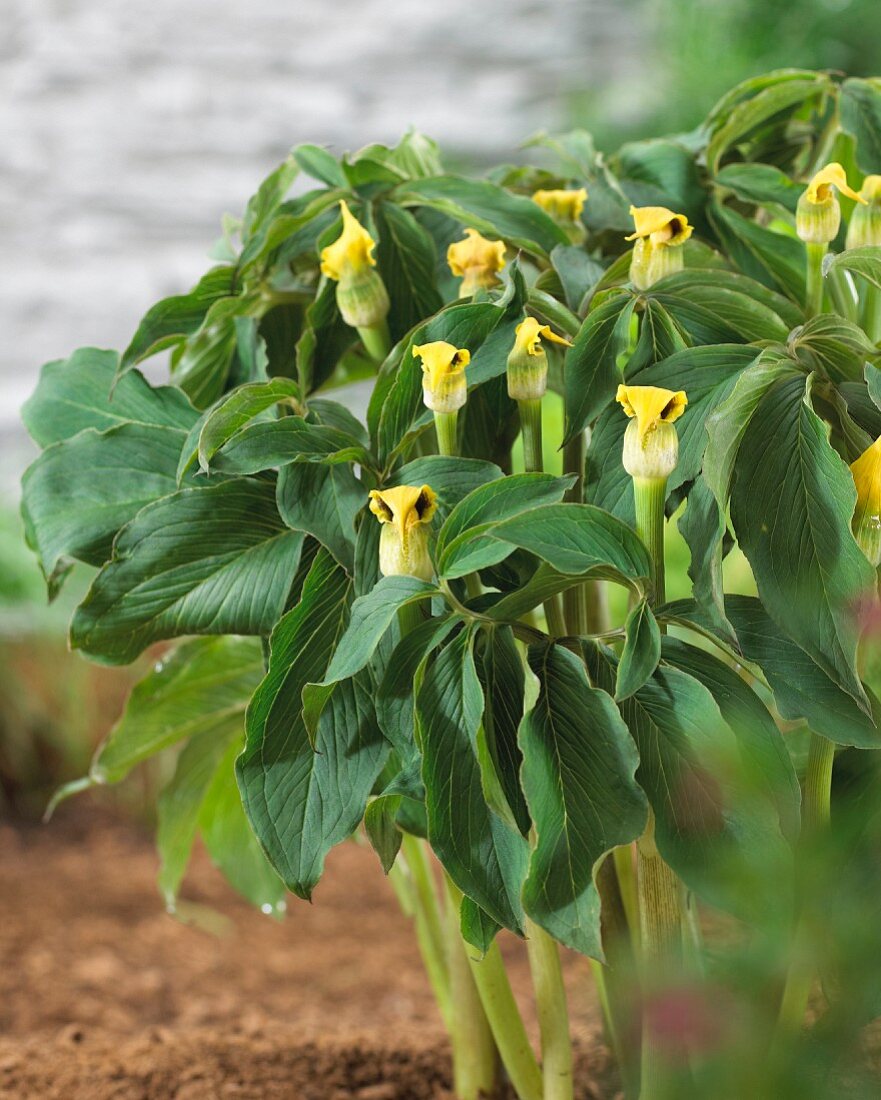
column 475, row 1051
column 426, row 914
column 376, row 340
column 814, row 283
column 553, row 1012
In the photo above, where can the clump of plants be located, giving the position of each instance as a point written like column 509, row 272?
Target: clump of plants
column 407, row 503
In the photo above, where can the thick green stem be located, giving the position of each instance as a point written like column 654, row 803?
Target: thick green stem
column 842, row 296
column 410, row 615
column 814, row 283
column 649, row 496
column 871, row 311
column 530, row 427
column 818, row 784
column 376, row 340
column 446, row 428
column 475, row 1050
column 553, row 1012
column 579, row 600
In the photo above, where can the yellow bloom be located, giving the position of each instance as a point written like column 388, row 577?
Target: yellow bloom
column 651, row 443
column 659, row 225
column 560, row 203
column 865, row 221
column 867, row 517
column 818, row 214
column 528, row 361
column 352, row 250
column 444, row 388
column 659, row 235
column 477, row 261
column 405, row 513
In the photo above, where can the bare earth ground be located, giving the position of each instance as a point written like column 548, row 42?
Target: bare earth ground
column 103, row 996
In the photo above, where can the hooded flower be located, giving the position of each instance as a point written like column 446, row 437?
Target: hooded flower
column 867, row 517
column 818, row 214
column 651, row 443
column 405, row 513
column 528, row 361
column 361, row 295
column 565, row 208
column 477, row 261
column 865, row 221
column 659, row 234
column 444, row 388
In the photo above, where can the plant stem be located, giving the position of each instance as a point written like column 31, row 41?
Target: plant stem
column 871, row 312
column 553, row 1012
column 475, row 1049
column 842, row 296
column 376, row 340
column 623, row 857
column 530, row 427
column 410, row 615
column 818, row 784
column 814, row 284
column 649, row 496
column 446, row 428
column 579, row 600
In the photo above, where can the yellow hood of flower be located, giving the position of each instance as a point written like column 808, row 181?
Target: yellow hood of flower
column 820, row 187
column 528, row 336
column 651, row 406
column 440, row 360
column 660, row 225
column 867, row 478
column 405, row 506
column 561, row 203
column 352, row 250
column 477, row 252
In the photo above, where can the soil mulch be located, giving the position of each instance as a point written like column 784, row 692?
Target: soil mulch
column 104, row 996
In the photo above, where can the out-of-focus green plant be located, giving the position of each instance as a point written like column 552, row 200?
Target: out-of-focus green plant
column 405, row 624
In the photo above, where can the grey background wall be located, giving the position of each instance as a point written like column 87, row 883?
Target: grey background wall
column 129, row 126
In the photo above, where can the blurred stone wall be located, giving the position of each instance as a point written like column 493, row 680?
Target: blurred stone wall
column 130, row 126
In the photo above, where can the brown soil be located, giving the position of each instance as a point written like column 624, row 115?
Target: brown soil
column 103, row 995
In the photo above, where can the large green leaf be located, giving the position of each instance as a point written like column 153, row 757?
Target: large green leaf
column 213, row 560
column 323, row 501
column 578, row 774
column 483, row 856
column 463, row 545
column 860, row 105
column 267, row 444
column 712, row 310
column 791, row 506
column 238, row 409
column 407, row 259
column 489, row 209
column 79, row 492
column 864, row 261
column 79, row 392
column 774, row 258
column 641, row 652
column 591, row 371
column 761, row 184
column 301, row 800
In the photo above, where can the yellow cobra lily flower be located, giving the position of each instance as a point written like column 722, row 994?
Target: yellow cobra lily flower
column 867, row 516
column 659, row 234
column 405, row 513
column 528, row 361
column 444, row 388
column 361, row 295
column 865, row 221
column 818, row 214
column 651, row 442
column 565, row 207
column 477, row 261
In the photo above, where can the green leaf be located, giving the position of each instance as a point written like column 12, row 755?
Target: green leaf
column 832, row 345
column 865, row 262
column 801, row 689
column 268, row 444
column 214, row 560
column 860, row 106
column 661, row 172
column 578, row 273
column 262, row 205
column 238, row 409
column 483, row 856
column 79, row 392
column 463, row 545
column 659, row 338
column 641, row 652
column 407, row 259
column 79, row 492
column 302, row 801
column 323, row 501
column 171, row 320
column 489, row 208
column 200, row 688
column 591, row 371
column 579, row 539
column 791, row 507
column 578, row 774
column 761, row 184
column 324, row 340
column 768, row 764
column 382, row 811
column 775, row 258
column 713, row 311
column 452, row 479
column 318, row 163
column 703, row 528
column 477, row 927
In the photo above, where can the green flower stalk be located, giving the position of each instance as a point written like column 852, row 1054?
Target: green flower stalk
column 444, row 388
column 864, row 230
column 817, row 221
column 659, row 234
column 361, row 295
column 651, row 451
